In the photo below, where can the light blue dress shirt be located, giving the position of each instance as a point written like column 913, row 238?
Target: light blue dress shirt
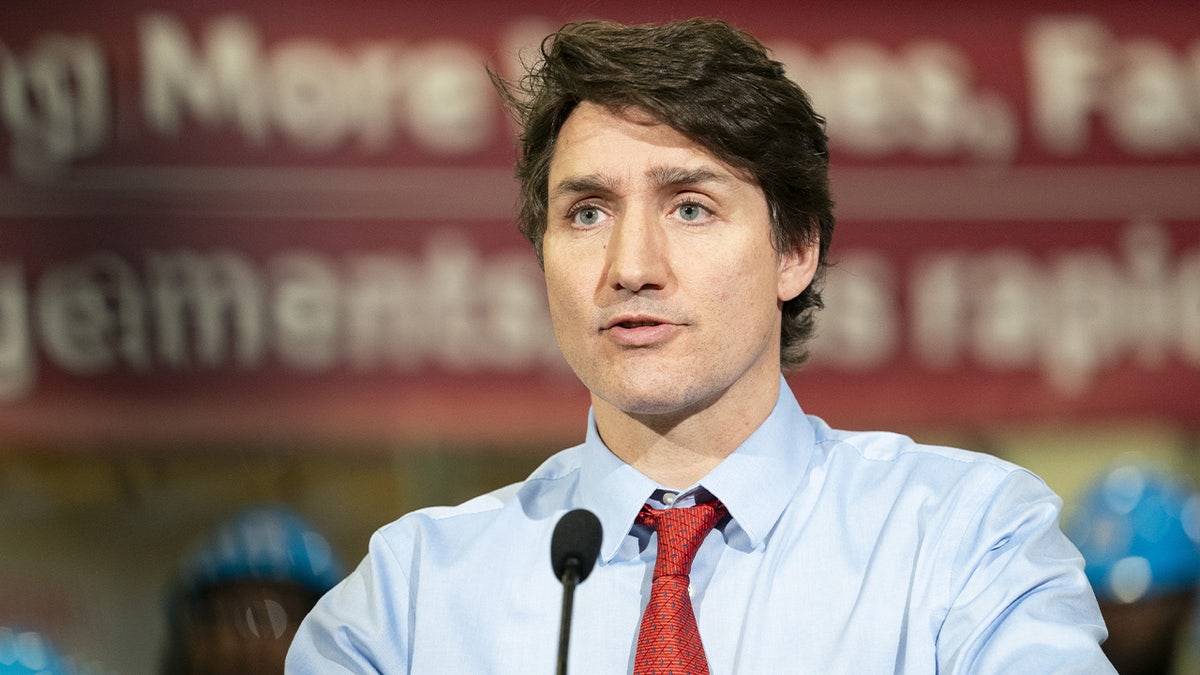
column 845, row 553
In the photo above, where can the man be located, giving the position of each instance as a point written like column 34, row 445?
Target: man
column 239, row 598
column 674, row 185
column 28, row 652
column 1135, row 526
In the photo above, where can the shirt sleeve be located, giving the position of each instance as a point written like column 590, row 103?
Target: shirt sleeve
column 1019, row 600
column 362, row 625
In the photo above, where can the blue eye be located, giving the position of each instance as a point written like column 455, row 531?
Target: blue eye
column 588, row 216
column 691, row 212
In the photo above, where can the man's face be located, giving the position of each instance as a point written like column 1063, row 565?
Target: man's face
column 664, row 287
column 244, row 627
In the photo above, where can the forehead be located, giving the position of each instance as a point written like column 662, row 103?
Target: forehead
column 625, row 142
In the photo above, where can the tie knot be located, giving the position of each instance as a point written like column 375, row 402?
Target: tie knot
column 680, row 533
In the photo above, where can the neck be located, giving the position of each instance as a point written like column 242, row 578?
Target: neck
column 677, row 449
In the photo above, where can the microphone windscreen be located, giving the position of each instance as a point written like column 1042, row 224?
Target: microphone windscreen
column 577, row 536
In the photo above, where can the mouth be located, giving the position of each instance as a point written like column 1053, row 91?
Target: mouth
column 637, row 324
column 634, row 321
column 640, row 330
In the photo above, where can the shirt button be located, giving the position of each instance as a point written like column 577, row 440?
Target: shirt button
column 668, row 498
column 691, row 591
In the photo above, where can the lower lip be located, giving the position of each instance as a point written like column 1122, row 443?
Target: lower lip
column 642, row 336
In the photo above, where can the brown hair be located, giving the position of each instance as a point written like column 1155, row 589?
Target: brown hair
column 714, row 84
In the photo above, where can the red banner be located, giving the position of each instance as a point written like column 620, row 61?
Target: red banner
column 244, row 223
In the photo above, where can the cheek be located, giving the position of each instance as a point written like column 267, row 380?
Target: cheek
column 558, row 289
column 566, row 302
column 552, row 273
column 571, row 276
column 750, row 295
column 748, row 283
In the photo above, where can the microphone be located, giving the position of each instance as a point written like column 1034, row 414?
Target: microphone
column 573, row 552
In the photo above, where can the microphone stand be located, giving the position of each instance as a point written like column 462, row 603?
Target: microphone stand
column 573, row 551
column 570, row 579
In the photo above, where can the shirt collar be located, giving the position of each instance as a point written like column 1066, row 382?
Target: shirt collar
column 755, row 482
column 758, row 480
column 614, row 490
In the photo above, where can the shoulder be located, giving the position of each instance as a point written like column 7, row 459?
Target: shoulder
column 955, row 490
column 899, row 454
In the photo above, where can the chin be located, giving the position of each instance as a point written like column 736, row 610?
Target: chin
column 650, row 399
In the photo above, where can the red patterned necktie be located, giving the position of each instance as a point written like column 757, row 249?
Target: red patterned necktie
column 669, row 641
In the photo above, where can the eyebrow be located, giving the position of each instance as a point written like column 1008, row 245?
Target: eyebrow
column 670, row 176
column 661, row 176
column 591, row 183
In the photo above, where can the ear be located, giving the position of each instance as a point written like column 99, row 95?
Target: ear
column 796, row 270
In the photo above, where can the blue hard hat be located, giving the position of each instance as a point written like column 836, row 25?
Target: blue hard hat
column 26, row 652
column 1138, row 529
column 268, row 542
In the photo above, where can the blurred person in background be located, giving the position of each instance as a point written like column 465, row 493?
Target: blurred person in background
column 1137, row 526
column 27, row 652
column 675, row 188
column 238, row 599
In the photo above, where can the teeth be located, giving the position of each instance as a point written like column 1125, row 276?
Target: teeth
column 638, row 324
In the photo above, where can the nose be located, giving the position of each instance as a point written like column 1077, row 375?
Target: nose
column 637, row 255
